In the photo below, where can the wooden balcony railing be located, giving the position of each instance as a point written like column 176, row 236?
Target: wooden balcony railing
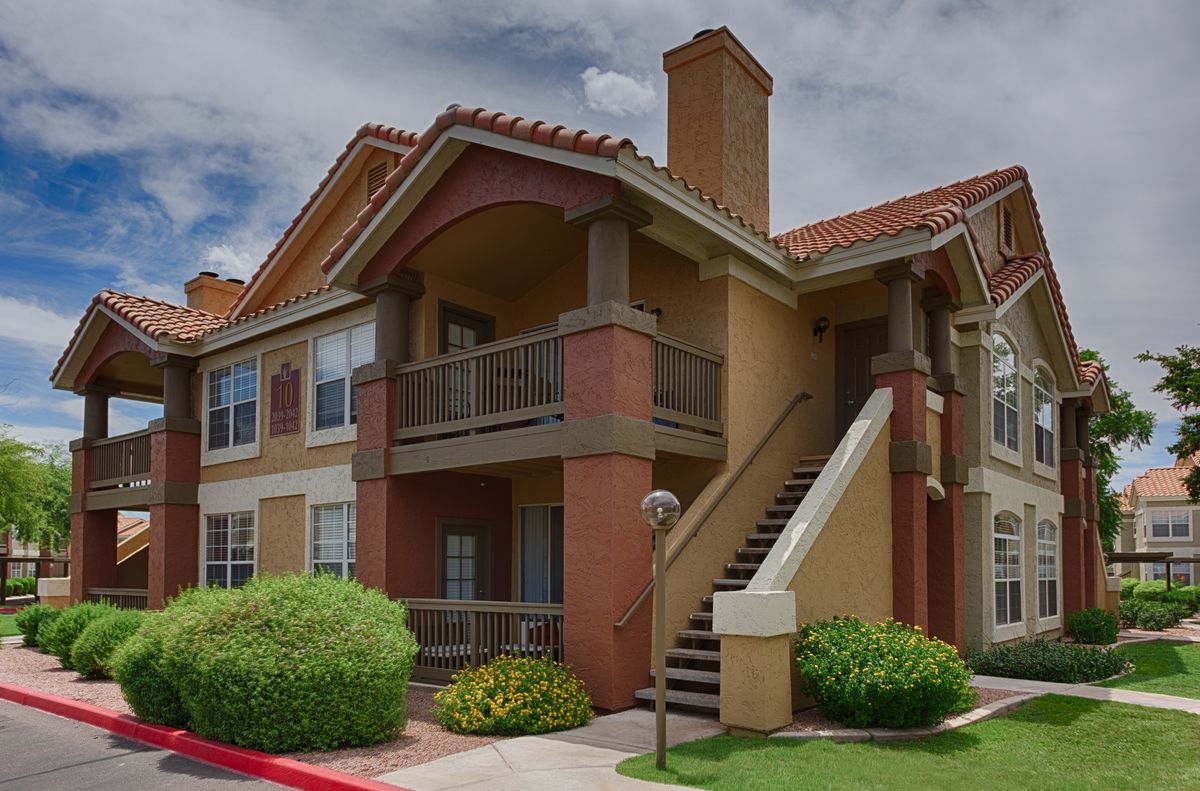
column 121, row 461
column 456, row 634
column 687, row 384
column 125, row 598
column 514, row 381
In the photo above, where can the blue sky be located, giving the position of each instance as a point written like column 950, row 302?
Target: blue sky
column 141, row 142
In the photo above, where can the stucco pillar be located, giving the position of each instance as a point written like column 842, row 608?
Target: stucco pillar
column 757, row 629
column 93, row 533
column 608, row 222
column 177, row 387
column 1090, row 509
column 608, row 448
column 95, row 413
column 173, row 560
column 1074, row 530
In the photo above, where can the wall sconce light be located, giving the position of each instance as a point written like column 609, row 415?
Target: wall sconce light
column 657, row 313
column 819, row 328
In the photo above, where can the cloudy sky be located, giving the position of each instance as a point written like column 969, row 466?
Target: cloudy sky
column 143, row 141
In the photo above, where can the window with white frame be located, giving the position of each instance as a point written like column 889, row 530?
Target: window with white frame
column 1170, row 524
column 1006, row 424
column 334, row 537
column 229, row 548
column 1006, row 559
column 1047, row 569
column 336, row 357
column 233, row 405
column 1181, row 573
column 1043, row 418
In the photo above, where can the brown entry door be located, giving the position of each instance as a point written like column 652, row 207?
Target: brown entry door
column 466, row 561
column 857, row 343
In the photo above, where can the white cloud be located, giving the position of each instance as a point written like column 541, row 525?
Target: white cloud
column 30, row 324
column 44, row 435
column 617, row 94
column 229, row 262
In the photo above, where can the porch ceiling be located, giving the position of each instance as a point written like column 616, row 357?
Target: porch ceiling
column 131, row 374
column 504, row 251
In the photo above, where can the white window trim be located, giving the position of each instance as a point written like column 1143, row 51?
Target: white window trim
column 1054, row 621
column 336, row 435
column 1173, row 539
column 1049, row 471
column 204, row 538
column 251, row 450
column 309, row 532
column 999, row 450
column 1021, row 539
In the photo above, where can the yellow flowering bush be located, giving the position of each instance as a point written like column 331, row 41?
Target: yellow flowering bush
column 881, row 675
column 513, row 696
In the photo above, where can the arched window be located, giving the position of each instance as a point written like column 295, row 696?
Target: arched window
column 1006, row 424
column 1006, row 559
column 1047, row 569
column 1043, row 418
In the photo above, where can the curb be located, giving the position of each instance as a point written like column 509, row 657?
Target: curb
column 264, row 766
column 980, row 714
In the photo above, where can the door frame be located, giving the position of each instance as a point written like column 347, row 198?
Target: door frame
column 487, row 543
column 839, row 331
column 485, row 323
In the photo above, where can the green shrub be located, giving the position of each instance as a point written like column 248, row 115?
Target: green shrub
column 91, row 652
column 1156, row 616
column 293, row 662
column 138, row 667
column 1043, row 660
column 58, row 636
column 514, row 696
column 1128, row 611
column 30, row 619
column 885, row 674
column 1093, row 626
column 1186, row 595
column 1128, row 584
column 1151, row 590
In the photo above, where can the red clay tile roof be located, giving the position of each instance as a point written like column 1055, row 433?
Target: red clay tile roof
column 1090, row 371
column 268, row 309
column 1162, row 482
column 378, row 131
column 129, row 526
column 1123, row 499
column 936, row 209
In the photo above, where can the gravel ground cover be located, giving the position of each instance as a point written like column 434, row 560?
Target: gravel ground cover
column 423, row 739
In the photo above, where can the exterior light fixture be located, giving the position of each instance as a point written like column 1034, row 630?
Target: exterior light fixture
column 660, row 511
column 819, row 328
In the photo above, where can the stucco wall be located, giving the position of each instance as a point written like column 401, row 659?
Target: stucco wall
column 133, row 571
column 282, row 534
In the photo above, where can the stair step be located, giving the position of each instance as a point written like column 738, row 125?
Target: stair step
column 701, row 616
column 697, row 634
column 780, row 509
column 742, row 566
column 687, row 674
column 764, row 524
column 707, row 600
column 805, row 483
column 789, row 498
column 762, row 536
column 755, row 551
column 728, row 583
column 809, row 472
column 698, row 700
column 694, row 654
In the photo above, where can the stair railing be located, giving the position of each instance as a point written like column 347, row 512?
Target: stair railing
column 702, row 517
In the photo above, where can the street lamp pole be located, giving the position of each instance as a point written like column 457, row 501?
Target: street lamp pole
column 660, row 510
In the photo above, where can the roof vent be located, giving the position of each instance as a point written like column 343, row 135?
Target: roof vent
column 376, row 176
column 702, row 33
column 1006, row 229
column 453, row 106
column 209, row 274
column 237, row 281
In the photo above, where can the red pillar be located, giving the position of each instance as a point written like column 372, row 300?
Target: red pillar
column 1092, row 570
column 607, row 548
column 173, row 560
column 378, row 495
column 93, row 533
column 1074, row 535
column 947, row 584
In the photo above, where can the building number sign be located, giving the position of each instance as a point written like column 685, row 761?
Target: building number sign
column 285, row 401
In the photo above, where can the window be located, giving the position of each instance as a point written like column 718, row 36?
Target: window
column 232, row 405
column 541, row 540
column 461, row 328
column 1181, row 573
column 337, row 355
column 1005, row 410
column 1047, row 569
column 334, row 537
column 1043, row 418
column 229, row 541
column 1006, row 559
column 1170, row 524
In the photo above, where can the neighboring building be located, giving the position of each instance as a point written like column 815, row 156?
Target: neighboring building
column 1157, row 517
column 23, row 558
column 476, row 348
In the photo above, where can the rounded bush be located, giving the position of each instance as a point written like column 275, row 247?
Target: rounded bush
column 30, row 619
column 886, row 674
column 1128, row 585
column 1128, row 611
column 1093, row 626
column 1151, row 590
column 1156, row 616
column 1186, row 595
column 58, row 636
column 293, row 662
column 514, row 696
column 1044, row 660
column 137, row 666
column 91, row 652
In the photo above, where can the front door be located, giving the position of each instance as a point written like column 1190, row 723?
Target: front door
column 857, row 343
column 466, row 561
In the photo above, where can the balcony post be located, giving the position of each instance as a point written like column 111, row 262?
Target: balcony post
column 93, row 548
column 95, row 412
column 177, row 386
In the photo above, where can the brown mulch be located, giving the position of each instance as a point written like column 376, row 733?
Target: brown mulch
column 423, row 739
column 813, row 720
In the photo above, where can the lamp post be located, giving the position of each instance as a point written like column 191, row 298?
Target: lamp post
column 660, row 510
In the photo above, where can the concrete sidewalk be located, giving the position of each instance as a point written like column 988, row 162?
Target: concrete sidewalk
column 1151, row 699
column 583, row 758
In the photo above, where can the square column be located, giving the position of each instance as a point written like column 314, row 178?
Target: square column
column 93, row 549
column 173, row 560
column 1074, row 530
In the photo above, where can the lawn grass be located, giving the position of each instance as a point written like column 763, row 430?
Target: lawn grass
column 1051, row 742
column 8, row 625
column 1162, row 667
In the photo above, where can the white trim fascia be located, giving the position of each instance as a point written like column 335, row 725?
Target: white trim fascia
column 975, row 315
column 1020, row 292
column 734, row 267
column 971, row 211
column 605, row 166
column 279, row 319
column 961, row 233
column 836, row 265
column 68, row 366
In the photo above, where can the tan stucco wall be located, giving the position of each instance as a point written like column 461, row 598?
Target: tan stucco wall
column 933, row 437
column 281, row 534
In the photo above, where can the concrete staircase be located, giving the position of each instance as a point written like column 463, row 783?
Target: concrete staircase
column 694, row 667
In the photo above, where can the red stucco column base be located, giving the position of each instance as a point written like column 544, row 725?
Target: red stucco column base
column 607, row 561
column 378, row 498
column 93, row 552
column 947, row 581
column 174, row 559
column 1091, row 540
column 1074, row 543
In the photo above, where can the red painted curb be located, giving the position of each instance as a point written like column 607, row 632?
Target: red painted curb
column 274, row 768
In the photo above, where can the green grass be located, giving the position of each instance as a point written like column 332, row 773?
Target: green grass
column 1165, row 668
column 8, row 625
column 1052, row 742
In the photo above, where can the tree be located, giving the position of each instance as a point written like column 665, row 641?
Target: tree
column 1181, row 384
column 1123, row 426
column 35, row 486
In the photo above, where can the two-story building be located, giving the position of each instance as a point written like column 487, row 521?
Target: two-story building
column 476, row 348
column 1159, row 517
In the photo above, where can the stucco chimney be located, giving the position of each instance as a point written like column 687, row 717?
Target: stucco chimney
column 717, row 122
column 210, row 293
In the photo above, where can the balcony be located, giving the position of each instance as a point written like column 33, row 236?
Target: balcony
column 119, row 471
column 502, row 402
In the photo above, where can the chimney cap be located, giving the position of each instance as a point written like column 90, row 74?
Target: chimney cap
column 708, row 41
column 237, row 281
column 208, row 274
column 703, row 33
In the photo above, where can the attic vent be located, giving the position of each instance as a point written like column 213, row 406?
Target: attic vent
column 1006, row 229
column 375, row 178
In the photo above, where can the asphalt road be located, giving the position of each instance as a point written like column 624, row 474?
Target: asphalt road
column 42, row 752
